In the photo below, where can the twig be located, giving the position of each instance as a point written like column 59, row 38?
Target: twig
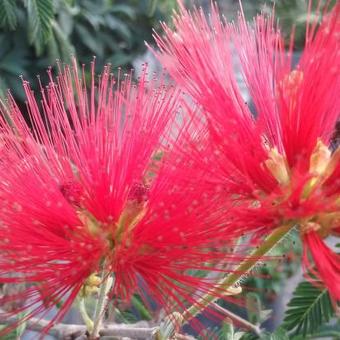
column 234, row 278
column 254, row 328
column 65, row 331
column 61, row 331
column 126, row 331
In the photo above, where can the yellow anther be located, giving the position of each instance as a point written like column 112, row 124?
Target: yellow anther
column 320, row 159
column 330, row 223
column 310, row 226
column 88, row 220
column 91, row 286
column 321, row 165
column 277, row 165
column 131, row 216
column 324, row 224
column 93, row 281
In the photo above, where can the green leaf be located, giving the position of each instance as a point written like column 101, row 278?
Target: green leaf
column 8, row 16
column 40, row 15
column 119, row 59
column 66, row 21
column 119, row 26
column 249, row 336
column 126, row 10
column 254, row 307
column 137, row 303
column 125, row 316
column 309, row 308
column 15, row 85
column 11, row 65
column 9, row 336
column 279, row 334
column 238, row 335
column 17, row 332
column 329, row 331
column 224, row 332
column 90, row 40
column 152, row 7
column 65, row 47
column 227, row 331
column 69, row 2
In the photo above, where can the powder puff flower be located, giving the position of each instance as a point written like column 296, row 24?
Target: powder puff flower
column 277, row 166
column 90, row 183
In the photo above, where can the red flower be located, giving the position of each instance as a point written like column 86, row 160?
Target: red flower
column 94, row 175
column 276, row 167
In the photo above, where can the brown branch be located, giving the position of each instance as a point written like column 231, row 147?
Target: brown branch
column 65, row 331
column 246, row 324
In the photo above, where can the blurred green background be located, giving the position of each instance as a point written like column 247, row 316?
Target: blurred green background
column 34, row 33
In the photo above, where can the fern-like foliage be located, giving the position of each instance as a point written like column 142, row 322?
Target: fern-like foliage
column 309, row 308
column 40, row 16
column 225, row 331
column 8, row 15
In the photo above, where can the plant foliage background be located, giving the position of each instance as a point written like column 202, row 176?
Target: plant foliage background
column 34, row 33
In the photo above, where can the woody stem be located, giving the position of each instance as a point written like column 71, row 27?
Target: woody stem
column 226, row 283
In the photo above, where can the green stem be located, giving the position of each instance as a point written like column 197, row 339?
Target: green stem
column 83, row 312
column 229, row 281
column 99, row 312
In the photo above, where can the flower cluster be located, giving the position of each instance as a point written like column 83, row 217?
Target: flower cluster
column 93, row 182
column 155, row 187
column 277, row 165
